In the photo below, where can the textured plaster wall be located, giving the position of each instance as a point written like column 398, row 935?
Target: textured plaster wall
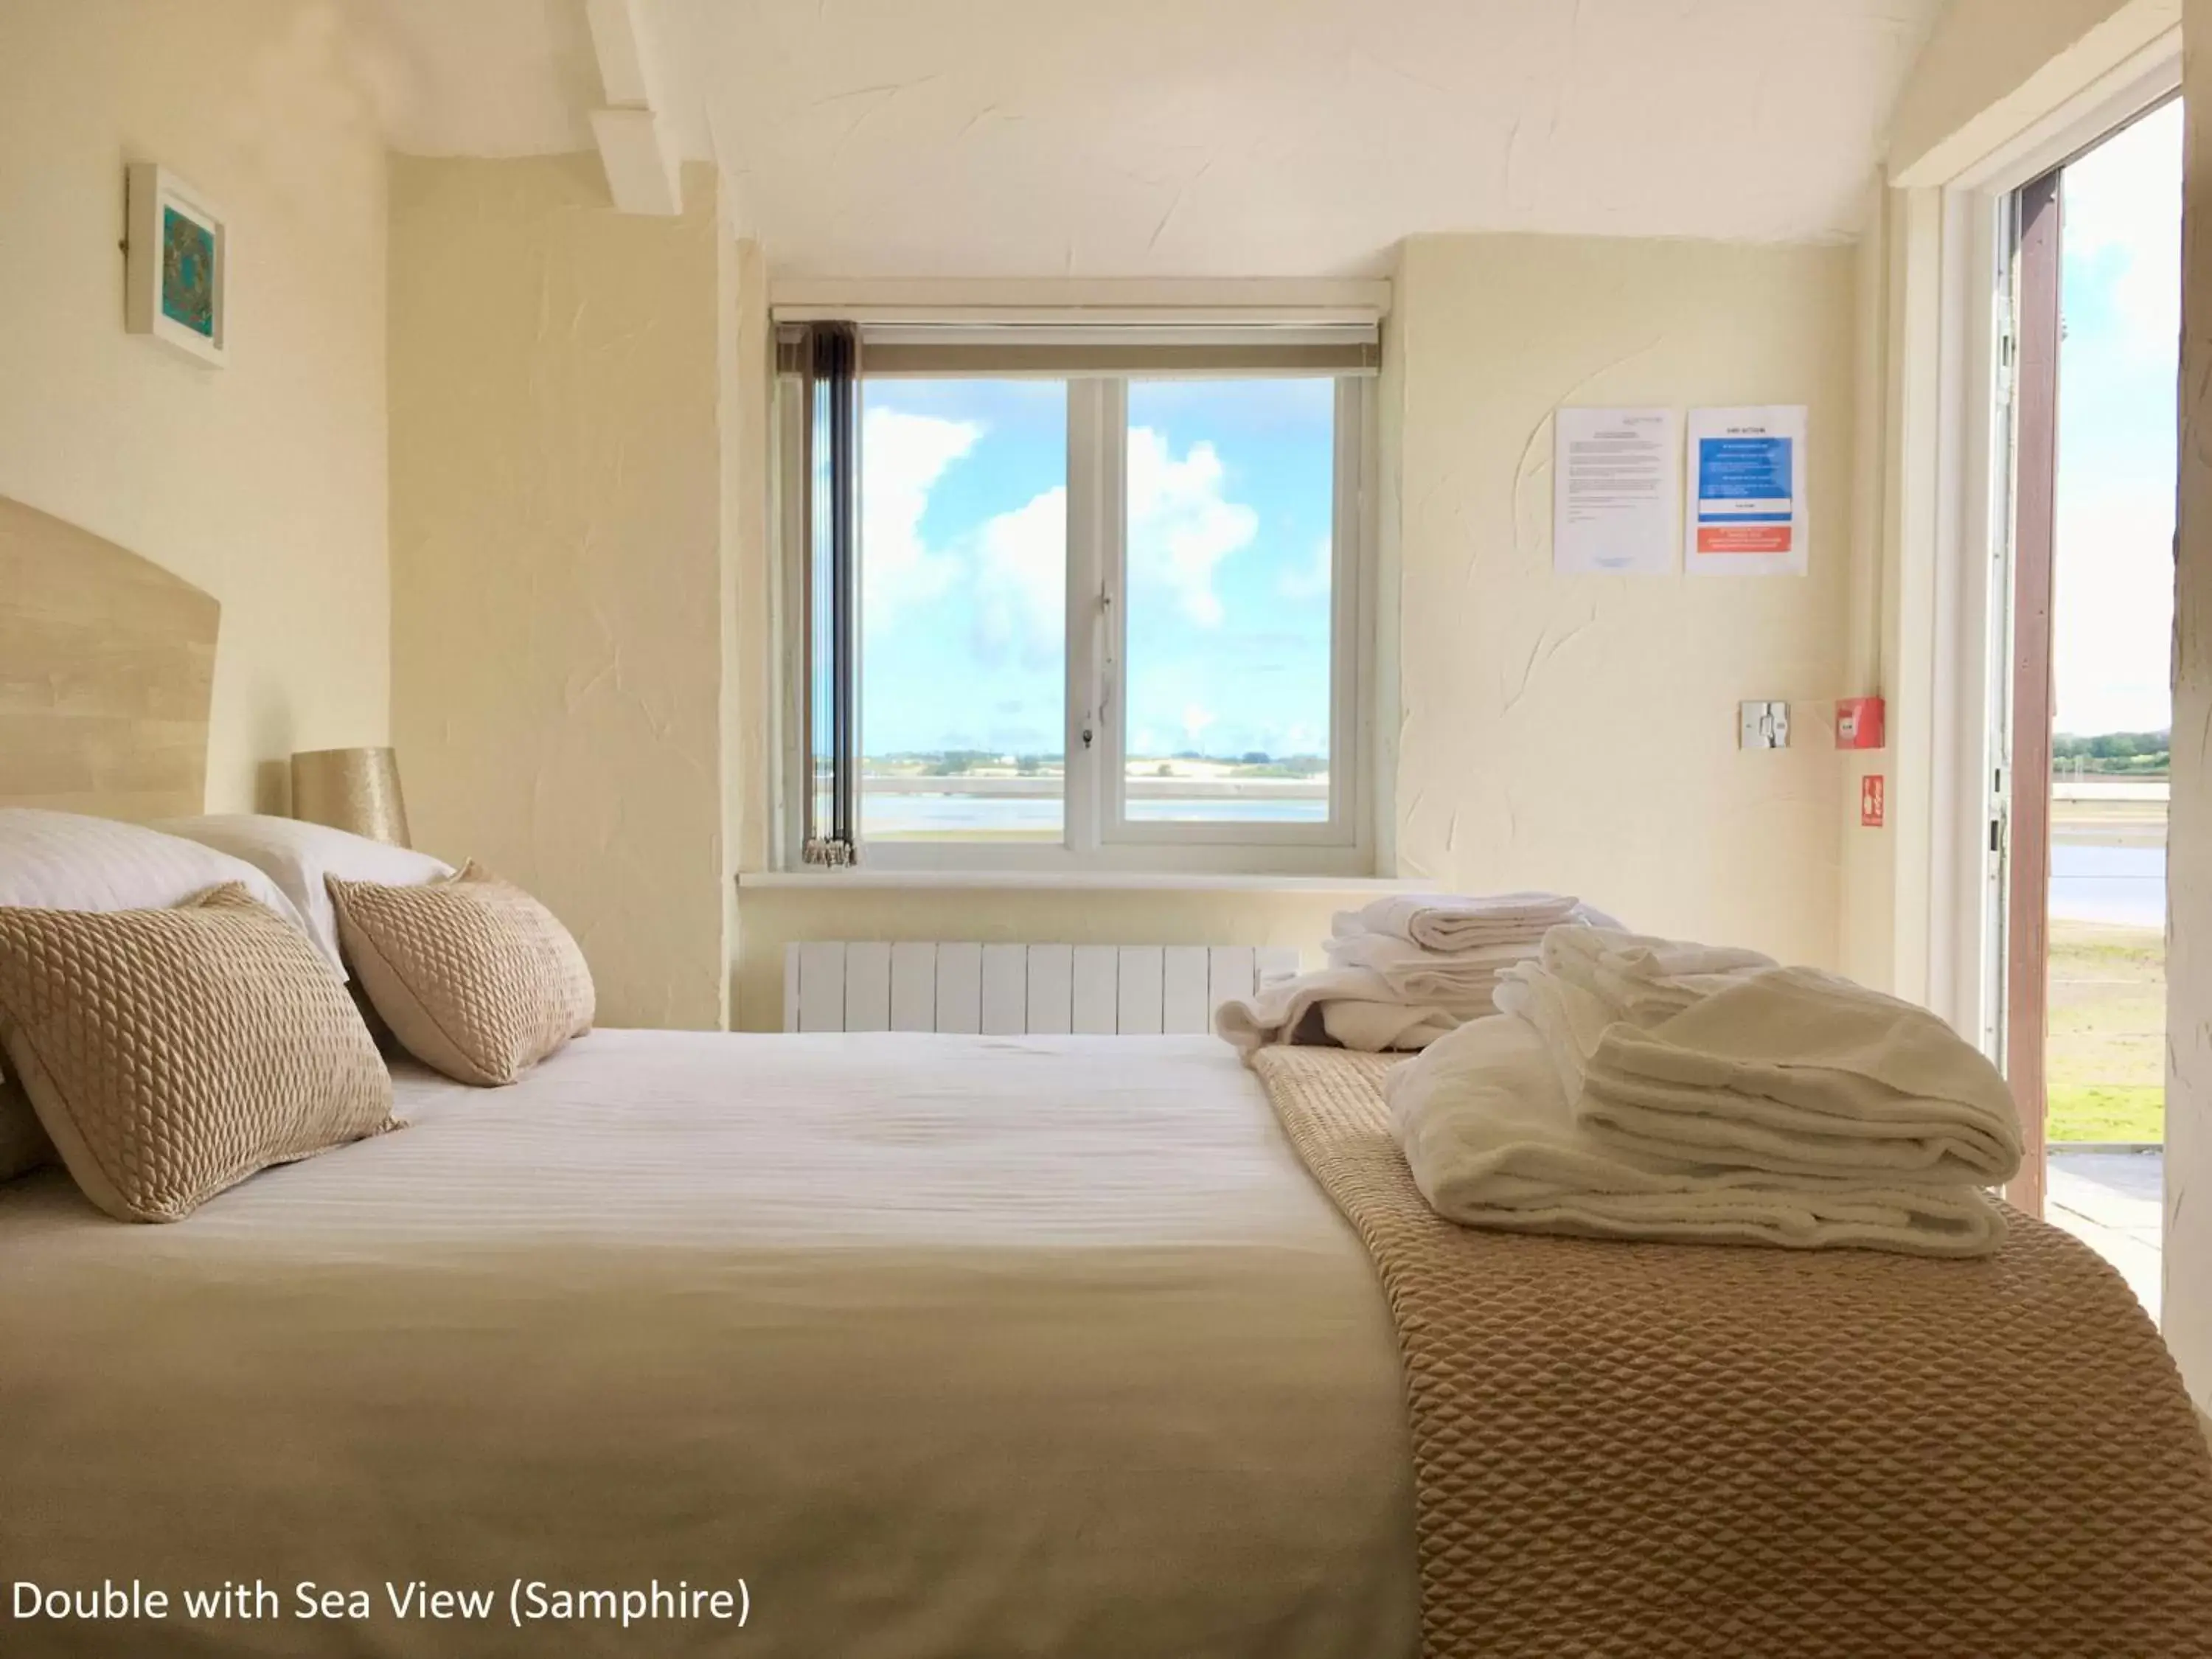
column 1867, row 943
column 1993, row 66
column 2188, row 1254
column 262, row 482
column 1578, row 733
column 558, row 387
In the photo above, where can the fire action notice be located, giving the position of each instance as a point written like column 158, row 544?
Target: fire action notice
column 1747, row 491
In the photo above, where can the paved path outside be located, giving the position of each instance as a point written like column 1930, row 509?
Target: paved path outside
column 2113, row 1202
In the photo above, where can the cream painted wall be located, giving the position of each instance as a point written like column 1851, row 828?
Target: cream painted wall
column 559, row 382
column 1867, row 943
column 1578, row 733
column 262, row 482
column 1993, row 66
column 748, row 631
column 2188, row 1254
column 1574, row 732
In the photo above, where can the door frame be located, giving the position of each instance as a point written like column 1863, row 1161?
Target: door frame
column 2021, row 456
column 1944, row 492
column 2022, row 839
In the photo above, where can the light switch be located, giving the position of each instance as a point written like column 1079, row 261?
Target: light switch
column 1765, row 726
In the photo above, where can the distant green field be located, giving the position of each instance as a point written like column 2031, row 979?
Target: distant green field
column 2106, row 1111
column 2107, row 1046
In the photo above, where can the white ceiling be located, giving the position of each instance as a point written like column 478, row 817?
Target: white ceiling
column 1198, row 138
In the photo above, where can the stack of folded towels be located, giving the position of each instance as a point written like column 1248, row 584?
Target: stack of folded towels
column 1403, row 971
column 1631, row 1087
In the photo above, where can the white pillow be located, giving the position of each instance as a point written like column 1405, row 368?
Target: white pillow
column 68, row 861
column 296, row 856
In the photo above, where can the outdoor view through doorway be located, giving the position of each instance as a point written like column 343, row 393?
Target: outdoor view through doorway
column 2110, row 615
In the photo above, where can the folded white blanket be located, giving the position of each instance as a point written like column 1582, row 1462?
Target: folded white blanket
column 1786, row 1070
column 1461, row 981
column 1352, row 1007
column 1492, row 1142
column 1443, row 923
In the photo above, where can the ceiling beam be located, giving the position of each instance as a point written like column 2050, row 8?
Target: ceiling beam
column 636, row 148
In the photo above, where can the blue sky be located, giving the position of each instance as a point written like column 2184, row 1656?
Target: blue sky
column 2113, row 607
column 963, row 537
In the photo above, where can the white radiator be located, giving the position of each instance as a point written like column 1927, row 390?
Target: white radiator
column 1007, row 989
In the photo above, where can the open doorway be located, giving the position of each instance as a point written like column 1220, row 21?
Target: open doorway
column 2096, row 284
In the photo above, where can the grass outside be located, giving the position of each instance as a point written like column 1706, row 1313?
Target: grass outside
column 2106, row 1058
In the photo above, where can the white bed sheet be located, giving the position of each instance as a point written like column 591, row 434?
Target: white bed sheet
column 947, row 1346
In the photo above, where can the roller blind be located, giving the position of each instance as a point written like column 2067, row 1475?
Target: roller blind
column 1065, row 347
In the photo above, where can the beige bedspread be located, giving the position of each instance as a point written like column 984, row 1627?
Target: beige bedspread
column 1670, row 1451
column 946, row 1346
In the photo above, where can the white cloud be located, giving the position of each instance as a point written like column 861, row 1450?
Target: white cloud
column 2126, row 195
column 902, row 456
column 1180, row 527
column 1195, row 720
column 1311, row 580
column 2112, row 615
column 1021, row 596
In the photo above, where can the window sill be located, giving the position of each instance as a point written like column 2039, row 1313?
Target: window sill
column 1047, row 881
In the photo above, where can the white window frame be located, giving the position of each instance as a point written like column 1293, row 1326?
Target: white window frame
column 1098, row 834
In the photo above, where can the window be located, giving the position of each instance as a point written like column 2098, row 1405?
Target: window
column 1078, row 598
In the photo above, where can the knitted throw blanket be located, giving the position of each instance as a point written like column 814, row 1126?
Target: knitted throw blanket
column 1668, row 1451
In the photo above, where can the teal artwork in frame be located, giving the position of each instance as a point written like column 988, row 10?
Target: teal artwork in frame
column 187, row 272
column 176, row 264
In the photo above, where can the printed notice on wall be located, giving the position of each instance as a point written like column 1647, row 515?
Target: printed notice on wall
column 1747, row 491
column 1613, row 490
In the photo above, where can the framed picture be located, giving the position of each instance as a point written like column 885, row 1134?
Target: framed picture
column 176, row 258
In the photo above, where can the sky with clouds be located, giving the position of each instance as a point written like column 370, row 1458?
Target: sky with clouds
column 963, row 591
column 2112, row 613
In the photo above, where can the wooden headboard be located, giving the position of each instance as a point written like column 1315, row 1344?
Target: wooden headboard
column 107, row 665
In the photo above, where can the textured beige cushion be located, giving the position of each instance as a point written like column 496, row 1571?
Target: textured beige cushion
column 171, row 1053
column 473, row 976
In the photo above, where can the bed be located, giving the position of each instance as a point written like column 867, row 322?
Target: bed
column 968, row 1346
column 946, row 1346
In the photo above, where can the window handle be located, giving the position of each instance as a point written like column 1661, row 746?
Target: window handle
column 1101, row 637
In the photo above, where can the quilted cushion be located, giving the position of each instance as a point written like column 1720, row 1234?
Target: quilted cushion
column 171, row 1053
column 474, row 976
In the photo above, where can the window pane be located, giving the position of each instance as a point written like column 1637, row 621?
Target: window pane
column 1231, row 496
column 963, row 607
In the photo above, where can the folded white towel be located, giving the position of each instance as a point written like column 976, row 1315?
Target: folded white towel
column 1377, row 1027
column 1786, row 1070
column 1461, row 981
column 1645, row 979
column 1444, row 922
column 1352, row 1007
column 1492, row 1142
